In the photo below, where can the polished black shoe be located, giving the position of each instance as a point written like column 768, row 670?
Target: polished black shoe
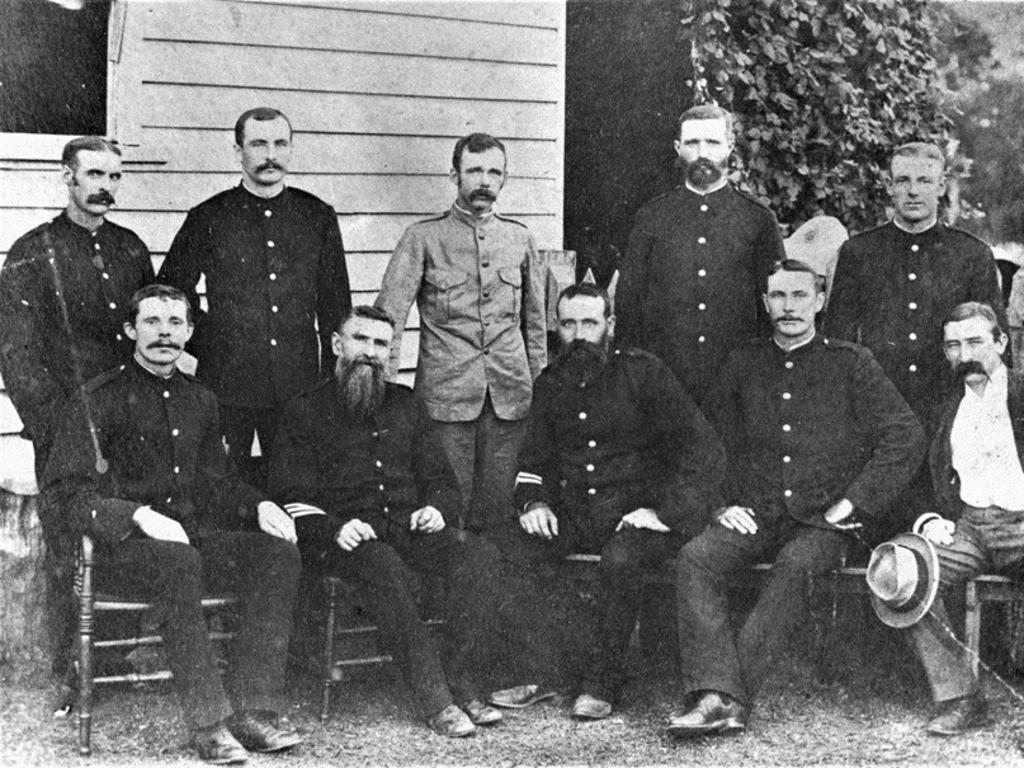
column 959, row 715
column 217, row 746
column 520, row 696
column 261, row 730
column 452, row 722
column 481, row 714
column 714, row 712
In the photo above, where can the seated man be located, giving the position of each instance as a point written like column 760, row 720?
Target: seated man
column 139, row 464
column 976, row 456
column 816, row 436
column 617, row 461
column 359, row 467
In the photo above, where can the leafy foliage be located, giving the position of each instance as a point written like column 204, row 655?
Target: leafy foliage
column 822, row 91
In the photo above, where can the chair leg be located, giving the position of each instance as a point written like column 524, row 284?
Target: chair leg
column 85, row 659
column 332, row 607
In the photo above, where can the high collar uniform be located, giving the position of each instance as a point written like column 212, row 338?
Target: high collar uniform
column 892, row 291
column 691, row 280
column 275, row 281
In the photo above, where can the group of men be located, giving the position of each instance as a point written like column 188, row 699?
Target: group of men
column 705, row 418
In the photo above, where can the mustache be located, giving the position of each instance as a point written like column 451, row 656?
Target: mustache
column 101, row 198
column 163, row 345
column 968, row 368
column 483, row 194
column 269, row 165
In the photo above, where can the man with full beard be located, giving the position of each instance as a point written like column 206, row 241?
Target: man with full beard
column 363, row 474
column 976, row 460
column 618, row 461
column 696, row 259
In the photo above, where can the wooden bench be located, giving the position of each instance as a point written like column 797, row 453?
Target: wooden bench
column 987, row 588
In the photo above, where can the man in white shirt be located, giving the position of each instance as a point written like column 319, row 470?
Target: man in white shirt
column 975, row 460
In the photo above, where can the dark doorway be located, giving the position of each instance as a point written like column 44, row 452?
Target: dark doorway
column 626, row 73
column 53, row 69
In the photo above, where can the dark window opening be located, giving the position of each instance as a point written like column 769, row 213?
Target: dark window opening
column 53, row 66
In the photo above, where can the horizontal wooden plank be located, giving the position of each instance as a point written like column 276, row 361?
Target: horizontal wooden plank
column 444, row 30
column 361, row 232
column 345, row 72
column 354, row 193
column 168, row 106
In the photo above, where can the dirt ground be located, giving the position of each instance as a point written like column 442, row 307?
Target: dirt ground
column 864, row 705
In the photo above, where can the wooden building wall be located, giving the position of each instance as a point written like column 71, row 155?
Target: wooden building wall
column 377, row 93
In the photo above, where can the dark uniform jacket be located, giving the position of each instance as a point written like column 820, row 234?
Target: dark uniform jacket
column 692, row 277
column 326, row 469
column 632, row 438
column 945, row 479
column 273, row 268
column 808, row 428
column 130, row 438
column 44, row 355
column 892, row 291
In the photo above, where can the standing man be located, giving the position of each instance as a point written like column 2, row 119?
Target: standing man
column 696, row 260
column 360, row 468
column 894, row 284
column 976, row 460
column 479, row 287
column 139, row 464
column 617, row 461
column 276, row 286
column 64, row 289
column 817, row 439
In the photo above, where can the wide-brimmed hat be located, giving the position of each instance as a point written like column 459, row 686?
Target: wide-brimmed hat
column 903, row 575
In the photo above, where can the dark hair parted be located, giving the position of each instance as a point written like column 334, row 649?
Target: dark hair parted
column 586, row 289
column 258, row 113
column 157, row 291
column 970, row 309
column 69, row 156
column 795, row 265
column 475, row 143
column 367, row 312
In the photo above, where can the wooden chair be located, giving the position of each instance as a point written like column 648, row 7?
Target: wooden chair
column 90, row 606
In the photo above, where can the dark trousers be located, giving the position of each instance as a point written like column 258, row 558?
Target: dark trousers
column 715, row 657
column 464, row 561
column 483, row 454
column 239, row 426
column 262, row 570
column 990, row 539
column 625, row 555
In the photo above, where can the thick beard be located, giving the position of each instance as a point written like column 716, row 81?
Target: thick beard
column 583, row 360
column 702, row 173
column 361, row 386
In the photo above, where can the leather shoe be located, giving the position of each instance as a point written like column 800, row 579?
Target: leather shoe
column 452, row 722
column 520, row 696
column 481, row 714
column 587, row 707
column 217, row 746
column 959, row 715
column 714, row 713
column 261, row 730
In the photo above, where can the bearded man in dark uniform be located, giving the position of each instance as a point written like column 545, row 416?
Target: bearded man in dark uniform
column 696, row 260
column 276, row 284
column 64, row 289
column 617, row 461
column 138, row 463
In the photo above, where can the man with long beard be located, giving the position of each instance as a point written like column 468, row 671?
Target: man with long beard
column 696, row 259
column 363, row 474
column 618, row 461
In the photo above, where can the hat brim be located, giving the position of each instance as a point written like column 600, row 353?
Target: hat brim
column 904, row 618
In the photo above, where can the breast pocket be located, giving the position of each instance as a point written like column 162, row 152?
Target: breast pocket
column 511, row 291
column 441, row 286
